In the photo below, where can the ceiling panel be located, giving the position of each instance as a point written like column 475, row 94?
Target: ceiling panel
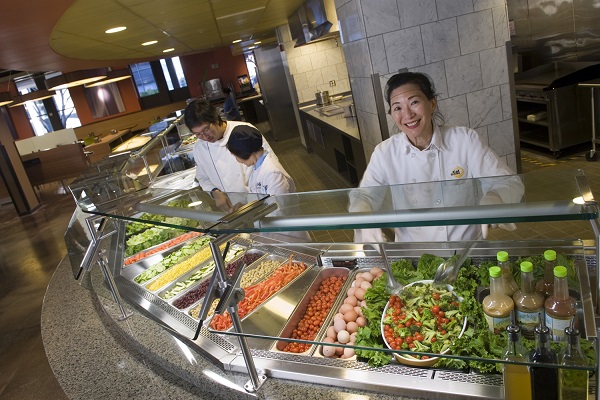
column 75, row 29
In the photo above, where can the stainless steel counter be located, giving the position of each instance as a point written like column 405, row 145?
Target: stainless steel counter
column 346, row 125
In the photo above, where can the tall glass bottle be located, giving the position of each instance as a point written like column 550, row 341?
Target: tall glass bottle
column 546, row 285
column 559, row 307
column 573, row 384
column 528, row 302
column 508, row 280
column 497, row 305
column 517, row 382
column 544, row 380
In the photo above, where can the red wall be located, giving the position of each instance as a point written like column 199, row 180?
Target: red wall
column 229, row 68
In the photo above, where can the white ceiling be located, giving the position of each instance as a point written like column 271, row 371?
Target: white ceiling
column 67, row 35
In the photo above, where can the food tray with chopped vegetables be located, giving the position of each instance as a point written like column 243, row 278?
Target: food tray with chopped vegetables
column 147, row 268
column 259, row 293
column 255, row 272
column 201, row 272
column 175, row 271
column 312, row 313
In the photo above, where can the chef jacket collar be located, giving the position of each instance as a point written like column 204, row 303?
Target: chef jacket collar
column 437, row 141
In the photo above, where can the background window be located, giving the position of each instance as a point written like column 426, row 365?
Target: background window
column 144, row 79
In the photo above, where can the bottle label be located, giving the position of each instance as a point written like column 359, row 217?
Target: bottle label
column 497, row 324
column 528, row 321
column 557, row 327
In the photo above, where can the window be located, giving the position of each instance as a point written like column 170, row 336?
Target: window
column 144, row 79
column 66, row 109
column 36, row 111
column 173, row 73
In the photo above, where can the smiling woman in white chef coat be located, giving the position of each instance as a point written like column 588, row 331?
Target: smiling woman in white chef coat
column 439, row 158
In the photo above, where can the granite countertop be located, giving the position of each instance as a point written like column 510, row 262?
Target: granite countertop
column 346, row 125
column 94, row 355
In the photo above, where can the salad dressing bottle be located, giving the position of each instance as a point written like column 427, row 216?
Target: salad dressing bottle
column 517, row 383
column 528, row 302
column 544, row 380
column 573, row 384
column 508, row 280
column 559, row 307
column 497, row 306
column 546, row 285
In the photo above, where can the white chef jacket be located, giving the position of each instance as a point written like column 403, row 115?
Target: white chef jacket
column 454, row 154
column 269, row 177
column 217, row 168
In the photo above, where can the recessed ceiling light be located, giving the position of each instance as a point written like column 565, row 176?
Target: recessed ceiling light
column 168, row 50
column 237, row 41
column 116, row 29
column 259, row 42
column 251, row 47
column 150, row 42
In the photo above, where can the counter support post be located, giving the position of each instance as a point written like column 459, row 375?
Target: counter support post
column 102, row 260
column 256, row 380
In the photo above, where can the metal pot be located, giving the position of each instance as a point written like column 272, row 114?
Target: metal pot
column 323, row 98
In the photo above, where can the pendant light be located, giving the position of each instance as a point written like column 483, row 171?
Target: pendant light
column 32, row 96
column 5, row 97
column 113, row 75
column 75, row 78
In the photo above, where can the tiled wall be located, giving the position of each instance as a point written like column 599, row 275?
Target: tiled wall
column 461, row 44
column 313, row 66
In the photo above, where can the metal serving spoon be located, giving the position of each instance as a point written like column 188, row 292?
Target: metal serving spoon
column 448, row 270
column 392, row 285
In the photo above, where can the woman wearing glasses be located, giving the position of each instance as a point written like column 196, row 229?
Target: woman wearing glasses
column 217, row 170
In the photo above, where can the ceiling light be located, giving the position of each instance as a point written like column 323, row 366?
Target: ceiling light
column 75, row 78
column 259, row 42
column 115, row 29
column 237, row 41
column 32, row 96
column 150, row 42
column 5, row 99
column 168, row 50
column 114, row 75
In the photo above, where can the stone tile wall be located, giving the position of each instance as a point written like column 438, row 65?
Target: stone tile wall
column 460, row 44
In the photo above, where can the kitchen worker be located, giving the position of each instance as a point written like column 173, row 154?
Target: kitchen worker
column 217, row 170
column 436, row 161
column 230, row 109
column 266, row 175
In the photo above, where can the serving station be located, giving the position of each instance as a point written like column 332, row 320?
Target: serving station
column 157, row 252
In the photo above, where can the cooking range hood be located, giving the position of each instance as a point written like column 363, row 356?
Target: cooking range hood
column 313, row 21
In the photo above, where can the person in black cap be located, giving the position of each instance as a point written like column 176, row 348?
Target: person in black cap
column 217, row 171
column 267, row 176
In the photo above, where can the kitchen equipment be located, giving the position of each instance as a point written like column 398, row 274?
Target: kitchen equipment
column 349, row 111
column 323, row 98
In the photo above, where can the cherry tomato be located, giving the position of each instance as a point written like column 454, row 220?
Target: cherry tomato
column 435, row 309
column 436, row 296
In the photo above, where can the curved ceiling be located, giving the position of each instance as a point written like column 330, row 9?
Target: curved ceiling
column 67, row 35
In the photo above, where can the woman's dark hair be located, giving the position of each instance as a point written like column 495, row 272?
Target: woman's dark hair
column 199, row 112
column 244, row 140
column 423, row 81
column 226, row 90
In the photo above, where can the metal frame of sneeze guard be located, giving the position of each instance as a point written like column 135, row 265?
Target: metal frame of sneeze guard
column 228, row 291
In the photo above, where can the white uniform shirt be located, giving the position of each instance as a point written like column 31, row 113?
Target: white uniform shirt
column 269, row 177
column 455, row 154
column 217, row 168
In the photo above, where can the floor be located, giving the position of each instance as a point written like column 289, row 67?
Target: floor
column 31, row 247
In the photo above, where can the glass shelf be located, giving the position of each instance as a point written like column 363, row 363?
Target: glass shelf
column 526, row 198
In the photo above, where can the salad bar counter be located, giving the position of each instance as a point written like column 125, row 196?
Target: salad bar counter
column 361, row 317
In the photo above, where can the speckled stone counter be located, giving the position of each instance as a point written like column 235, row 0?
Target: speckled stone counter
column 94, row 355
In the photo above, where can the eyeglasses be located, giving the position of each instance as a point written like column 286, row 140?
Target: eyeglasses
column 206, row 131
